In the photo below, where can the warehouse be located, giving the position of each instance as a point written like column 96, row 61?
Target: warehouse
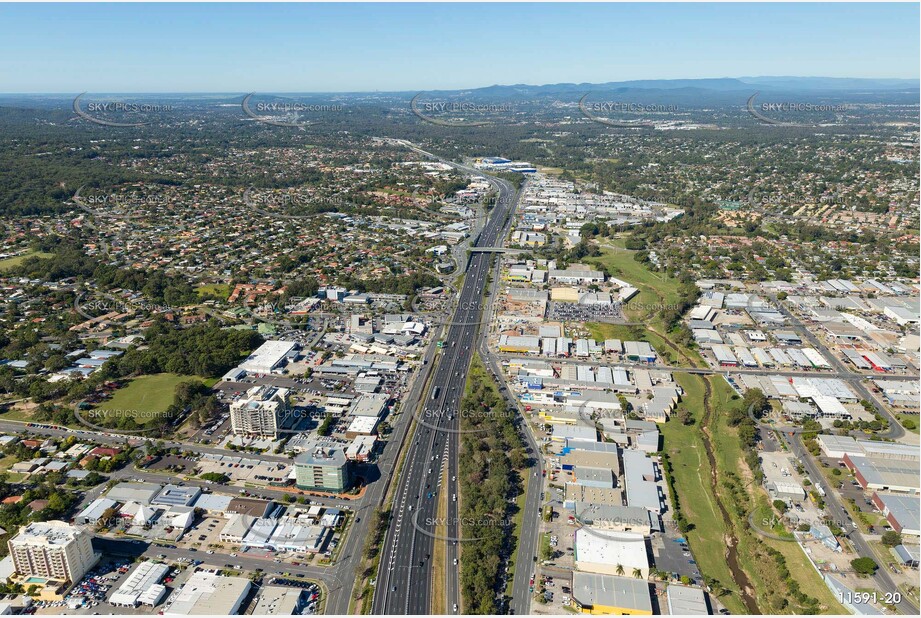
column 745, row 356
column 606, row 551
column 780, row 357
column 606, row 594
column 902, row 512
column 519, row 344
column 639, row 480
column 815, row 358
column 829, row 407
column 639, row 351
column 686, row 601
column 268, row 357
column 616, row 518
column 884, row 474
column 95, row 512
column 724, row 356
column 705, row 337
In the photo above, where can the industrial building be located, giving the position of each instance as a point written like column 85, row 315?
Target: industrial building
column 902, row 512
column 686, row 601
column 607, row 551
column 606, row 594
column 639, row 351
column 269, row 357
column 209, row 593
column 881, row 474
column 142, row 587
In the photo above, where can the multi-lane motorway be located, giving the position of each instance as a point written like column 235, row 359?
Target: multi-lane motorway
column 430, row 470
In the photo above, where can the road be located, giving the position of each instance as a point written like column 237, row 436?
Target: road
column 838, row 512
column 844, row 375
column 405, row 578
column 895, row 430
column 526, row 554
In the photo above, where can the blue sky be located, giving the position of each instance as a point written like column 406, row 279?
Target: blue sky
column 366, row 47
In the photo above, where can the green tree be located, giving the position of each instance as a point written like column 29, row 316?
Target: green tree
column 864, row 565
column 891, row 538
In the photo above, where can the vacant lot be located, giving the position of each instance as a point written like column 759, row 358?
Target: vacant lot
column 220, row 290
column 144, row 397
column 13, row 262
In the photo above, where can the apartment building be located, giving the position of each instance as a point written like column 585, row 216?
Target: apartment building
column 260, row 413
column 52, row 550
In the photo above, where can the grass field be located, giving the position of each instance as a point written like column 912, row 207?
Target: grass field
column 655, row 288
column 691, row 471
column 13, row 262
column 656, row 292
column 221, row 290
column 145, row 397
column 912, row 419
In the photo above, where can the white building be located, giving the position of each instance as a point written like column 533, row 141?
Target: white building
column 142, row 587
column 602, row 551
column 209, row 593
column 54, row 550
column 260, row 413
column 268, row 357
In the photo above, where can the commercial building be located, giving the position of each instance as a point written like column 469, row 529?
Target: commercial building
column 142, row 586
column 902, row 512
column 52, row 550
column 361, row 426
column 279, row 601
column 598, row 550
column 605, row 594
column 209, row 593
column 268, row 357
column 173, row 495
column 370, row 405
column 324, row 468
column 261, row 412
column 686, row 601
column 878, row 473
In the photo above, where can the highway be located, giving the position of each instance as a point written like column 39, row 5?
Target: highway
column 404, row 583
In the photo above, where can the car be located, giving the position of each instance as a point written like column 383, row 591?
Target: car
column 455, row 562
column 455, row 608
